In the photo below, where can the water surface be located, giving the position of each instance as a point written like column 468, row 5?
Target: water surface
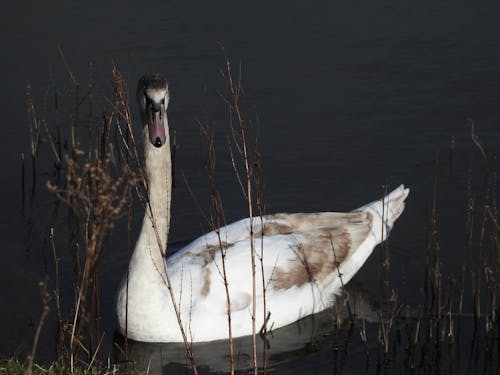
column 349, row 96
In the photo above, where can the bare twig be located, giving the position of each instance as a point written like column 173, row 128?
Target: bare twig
column 45, row 312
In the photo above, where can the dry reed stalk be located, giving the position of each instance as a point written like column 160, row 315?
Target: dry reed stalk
column 344, row 291
column 257, row 165
column 238, row 131
column 250, row 183
column 75, row 102
column 57, row 294
column 35, row 138
column 435, row 251
column 216, row 221
column 45, row 295
column 23, row 183
column 384, row 316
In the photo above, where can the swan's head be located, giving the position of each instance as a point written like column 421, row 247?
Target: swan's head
column 153, row 97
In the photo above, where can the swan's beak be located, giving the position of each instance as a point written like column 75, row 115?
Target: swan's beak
column 156, row 125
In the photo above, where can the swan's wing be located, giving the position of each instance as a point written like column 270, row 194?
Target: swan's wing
column 386, row 211
column 295, row 249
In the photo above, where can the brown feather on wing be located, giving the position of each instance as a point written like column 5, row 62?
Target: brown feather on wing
column 318, row 252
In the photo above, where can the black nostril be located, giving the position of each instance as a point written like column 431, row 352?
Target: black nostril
column 157, row 142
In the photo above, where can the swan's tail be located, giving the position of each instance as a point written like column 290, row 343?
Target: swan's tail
column 385, row 212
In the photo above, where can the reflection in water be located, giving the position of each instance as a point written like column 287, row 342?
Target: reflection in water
column 309, row 335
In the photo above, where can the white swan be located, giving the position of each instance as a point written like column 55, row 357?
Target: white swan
column 304, row 255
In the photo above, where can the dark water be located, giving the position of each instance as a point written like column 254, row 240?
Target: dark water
column 349, row 96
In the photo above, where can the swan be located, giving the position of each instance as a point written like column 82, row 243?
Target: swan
column 308, row 257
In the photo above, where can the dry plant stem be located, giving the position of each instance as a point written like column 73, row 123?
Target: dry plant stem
column 242, row 148
column 260, row 207
column 216, row 223
column 76, row 316
column 95, row 353
column 95, row 312
column 480, row 269
column 491, row 269
column 385, row 265
column 34, row 132
column 45, row 312
column 60, row 328
column 23, row 183
column 121, row 105
column 435, row 246
column 90, row 99
column 73, row 114
column 470, row 234
column 475, row 139
column 435, row 251
column 493, row 217
column 168, row 284
column 342, row 285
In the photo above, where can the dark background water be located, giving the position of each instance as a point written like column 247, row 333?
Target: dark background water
column 348, row 95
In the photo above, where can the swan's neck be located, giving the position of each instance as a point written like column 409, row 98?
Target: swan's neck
column 148, row 257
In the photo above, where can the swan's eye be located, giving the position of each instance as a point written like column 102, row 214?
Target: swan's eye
column 162, row 101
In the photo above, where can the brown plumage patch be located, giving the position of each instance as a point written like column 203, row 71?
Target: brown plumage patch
column 300, row 222
column 208, row 254
column 274, row 227
column 318, row 252
column 206, row 285
column 206, row 257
